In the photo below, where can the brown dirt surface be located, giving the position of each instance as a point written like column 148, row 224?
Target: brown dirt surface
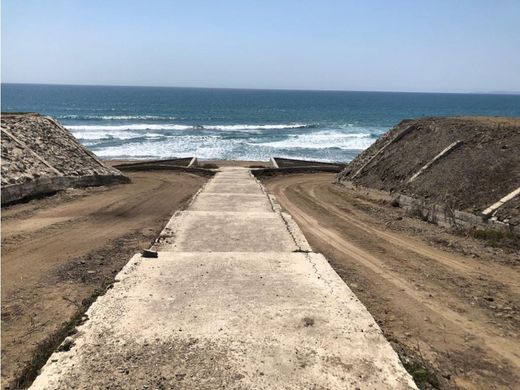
column 59, row 252
column 448, row 303
column 478, row 173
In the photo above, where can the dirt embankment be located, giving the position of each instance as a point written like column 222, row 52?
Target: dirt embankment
column 59, row 252
column 448, row 303
column 40, row 156
column 482, row 167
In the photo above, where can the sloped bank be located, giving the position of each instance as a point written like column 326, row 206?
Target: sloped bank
column 447, row 170
column 40, row 156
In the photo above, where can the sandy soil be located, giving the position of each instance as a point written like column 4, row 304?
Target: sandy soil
column 448, row 303
column 60, row 251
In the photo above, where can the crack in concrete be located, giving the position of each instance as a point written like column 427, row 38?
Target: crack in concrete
column 316, row 271
column 291, row 233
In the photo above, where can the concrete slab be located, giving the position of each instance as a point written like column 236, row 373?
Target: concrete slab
column 228, row 304
column 235, row 173
column 246, row 187
column 214, row 231
column 231, row 202
column 231, row 180
column 227, row 320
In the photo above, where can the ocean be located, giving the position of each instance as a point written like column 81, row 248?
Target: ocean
column 155, row 122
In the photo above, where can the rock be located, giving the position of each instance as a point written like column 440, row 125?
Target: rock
column 148, row 253
column 66, row 345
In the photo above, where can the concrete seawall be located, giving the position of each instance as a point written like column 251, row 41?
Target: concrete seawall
column 235, row 299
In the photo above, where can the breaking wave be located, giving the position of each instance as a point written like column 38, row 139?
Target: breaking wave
column 324, row 140
column 116, row 117
column 150, row 126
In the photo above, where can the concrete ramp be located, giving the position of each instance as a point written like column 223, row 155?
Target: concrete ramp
column 233, row 301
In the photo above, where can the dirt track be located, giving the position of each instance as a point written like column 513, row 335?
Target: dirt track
column 59, row 251
column 449, row 303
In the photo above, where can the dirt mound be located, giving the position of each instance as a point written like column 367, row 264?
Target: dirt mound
column 40, row 156
column 464, row 163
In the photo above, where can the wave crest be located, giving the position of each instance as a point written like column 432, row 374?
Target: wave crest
column 116, row 117
column 149, row 126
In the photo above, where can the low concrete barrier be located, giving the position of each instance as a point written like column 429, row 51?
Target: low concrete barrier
column 181, row 162
column 164, row 167
column 439, row 214
column 263, row 172
column 49, row 185
column 279, row 162
column 443, row 215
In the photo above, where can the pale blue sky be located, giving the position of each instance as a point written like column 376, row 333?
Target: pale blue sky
column 386, row 45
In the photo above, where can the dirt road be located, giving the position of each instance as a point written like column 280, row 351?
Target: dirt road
column 234, row 300
column 59, row 252
column 449, row 304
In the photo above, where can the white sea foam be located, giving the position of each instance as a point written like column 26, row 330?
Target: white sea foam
column 257, row 127
column 323, row 140
column 150, row 126
column 135, row 126
column 116, row 117
column 328, row 146
column 185, row 146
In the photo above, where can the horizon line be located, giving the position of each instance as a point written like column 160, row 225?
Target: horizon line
column 266, row 89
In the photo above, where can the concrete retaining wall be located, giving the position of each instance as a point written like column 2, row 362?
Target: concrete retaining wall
column 165, row 167
column 180, row 162
column 442, row 215
column 439, row 214
column 49, row 185
column 264, row 172
column 278, row 162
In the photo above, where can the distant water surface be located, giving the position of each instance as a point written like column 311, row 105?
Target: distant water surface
column 150, row 122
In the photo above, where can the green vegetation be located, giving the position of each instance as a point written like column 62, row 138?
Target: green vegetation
column 413, row 361
column 423, row 378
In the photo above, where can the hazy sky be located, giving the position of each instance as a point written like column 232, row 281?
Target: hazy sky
column 386, row 45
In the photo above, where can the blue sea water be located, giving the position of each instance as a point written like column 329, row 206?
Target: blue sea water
column 153, row 122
